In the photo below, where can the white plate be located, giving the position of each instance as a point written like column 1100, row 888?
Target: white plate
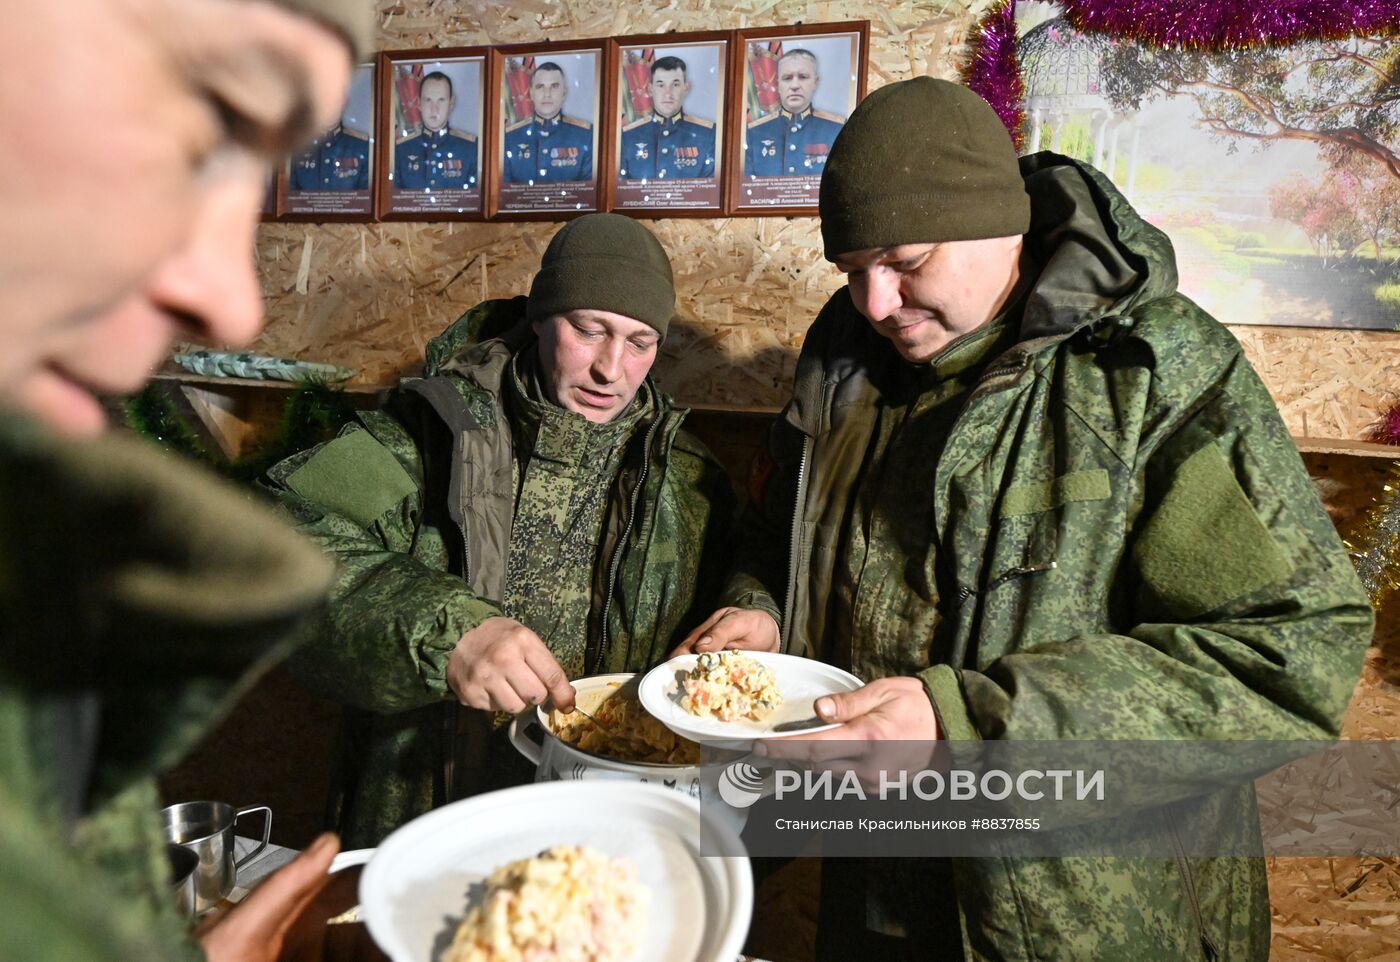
column 414, row 892
column 348, row 859
column 801, row 681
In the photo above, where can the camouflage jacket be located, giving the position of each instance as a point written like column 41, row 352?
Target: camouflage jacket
column 416, row 501
column 138, row 600
column 1128, row 547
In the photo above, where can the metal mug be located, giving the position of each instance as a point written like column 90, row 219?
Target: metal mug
column 183, row 865
column 207, row 830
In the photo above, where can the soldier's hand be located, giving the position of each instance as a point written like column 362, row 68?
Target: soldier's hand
column 887, row 725
column 500, row 665
column 748, row 629
column 254, row 930
column 887, row 709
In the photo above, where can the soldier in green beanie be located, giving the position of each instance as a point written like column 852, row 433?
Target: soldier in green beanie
column 528, row 511
column 1036, row 495
column 139, row 598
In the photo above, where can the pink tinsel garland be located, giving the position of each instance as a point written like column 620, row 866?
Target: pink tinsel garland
column 995, row 73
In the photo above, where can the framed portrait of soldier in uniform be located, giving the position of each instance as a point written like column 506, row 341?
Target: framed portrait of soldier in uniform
column 332, row 179
column 666, row 152
column 432, row 134
column 548, row 100
column 798, row 85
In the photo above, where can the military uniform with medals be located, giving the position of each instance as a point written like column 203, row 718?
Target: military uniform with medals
column 667, row 147
column 433, row 161
column 787, row 144
column 337, row 160
column 548, row 151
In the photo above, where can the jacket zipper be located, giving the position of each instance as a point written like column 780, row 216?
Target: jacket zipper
column 967, row 591
column 453, row 710
column 1209, row 949
column 617, row 549
column 784, row 636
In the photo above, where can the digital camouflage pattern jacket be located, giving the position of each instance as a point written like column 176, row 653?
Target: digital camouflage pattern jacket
column 416, row 502
column 1128, row 547
column 139, row 599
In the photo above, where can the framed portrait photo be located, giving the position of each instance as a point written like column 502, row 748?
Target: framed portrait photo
column 333, row 177
column 548, row 99
column 666, row 153
column 798, row 84
column 434, row 126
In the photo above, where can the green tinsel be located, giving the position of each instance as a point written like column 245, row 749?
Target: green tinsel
column 1375, row 542
column 314, row 413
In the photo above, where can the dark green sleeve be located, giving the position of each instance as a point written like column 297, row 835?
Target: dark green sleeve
column 1250, row 622
column 759, row 575
column 704, row 540
column 60, row 907
column 397, row 609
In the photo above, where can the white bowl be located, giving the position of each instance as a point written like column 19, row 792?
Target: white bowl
column 801, row 681
column 414, row 892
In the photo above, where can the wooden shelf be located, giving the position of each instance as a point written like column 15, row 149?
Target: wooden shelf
column 221, row 403
column 757, row 410
column 236, row 413
column 184, row 377
column 1358, row 449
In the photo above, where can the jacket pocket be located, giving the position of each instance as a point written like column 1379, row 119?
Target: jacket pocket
column 1029, row 522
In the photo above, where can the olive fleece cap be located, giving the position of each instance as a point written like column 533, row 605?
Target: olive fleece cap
column 353, row 19
column 604, row 262
column 921, row 161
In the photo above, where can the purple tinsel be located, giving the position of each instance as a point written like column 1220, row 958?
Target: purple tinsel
column 993, row 72
column 1213, row 24
column 1388, row 430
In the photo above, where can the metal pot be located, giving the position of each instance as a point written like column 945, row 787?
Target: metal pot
column 557, row 760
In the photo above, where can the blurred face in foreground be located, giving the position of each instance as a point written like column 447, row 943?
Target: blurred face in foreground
column 108, row 255
column 593, row 362
column 921, row 297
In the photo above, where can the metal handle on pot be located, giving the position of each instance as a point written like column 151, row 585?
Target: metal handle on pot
column 267, row 831
column 527, row 746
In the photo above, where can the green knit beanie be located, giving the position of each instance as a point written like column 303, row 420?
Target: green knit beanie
column 604, row 262
column 921, row 161
column 354, row 19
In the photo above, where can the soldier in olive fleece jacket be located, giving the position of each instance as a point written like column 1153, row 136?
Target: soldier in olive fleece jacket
column 473, row 496
column 1082, row 518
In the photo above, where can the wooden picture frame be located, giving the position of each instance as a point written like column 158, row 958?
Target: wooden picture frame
column 546, row 166
column 779, row 172
column 667, row 159
column 434, row 141
column 267, row 214
column 333, row 178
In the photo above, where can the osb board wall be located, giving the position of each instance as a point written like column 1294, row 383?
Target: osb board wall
column 370, row 296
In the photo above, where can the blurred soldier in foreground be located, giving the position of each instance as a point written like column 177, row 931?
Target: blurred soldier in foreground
column 138, row 597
